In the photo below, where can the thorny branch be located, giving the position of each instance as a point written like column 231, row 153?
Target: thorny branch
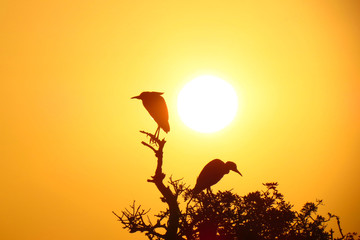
column 134, row 220
column 159, row 175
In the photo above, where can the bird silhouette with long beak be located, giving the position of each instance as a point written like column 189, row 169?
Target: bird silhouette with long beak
column 156, row 106
column 212, row 173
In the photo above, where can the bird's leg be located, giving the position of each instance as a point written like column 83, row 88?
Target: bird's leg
column 209, row 192
column 156, row 135
column 158, row 132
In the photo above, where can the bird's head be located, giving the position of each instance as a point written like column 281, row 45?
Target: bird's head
column 232, row 166
column 145, row 95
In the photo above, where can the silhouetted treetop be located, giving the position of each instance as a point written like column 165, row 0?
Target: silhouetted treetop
column 192, row 214
column 259, row 215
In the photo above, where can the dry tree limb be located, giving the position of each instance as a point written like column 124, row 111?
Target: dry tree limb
column 133, row 220
column 169, row 197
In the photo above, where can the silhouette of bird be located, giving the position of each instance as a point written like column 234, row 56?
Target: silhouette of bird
column 156, row 106
column 212, row 173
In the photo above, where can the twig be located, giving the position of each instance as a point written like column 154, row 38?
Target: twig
column 134, row 221
column 149, row 146
column 152, row 137
column 338, row 223
column 116, row 215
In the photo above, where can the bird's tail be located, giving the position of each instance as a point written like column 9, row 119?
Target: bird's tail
column 196, row 190
column 166, row 127
column 187, row 205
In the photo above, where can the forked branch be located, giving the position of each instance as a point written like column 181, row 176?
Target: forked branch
column 169, row 197
column 133, row 219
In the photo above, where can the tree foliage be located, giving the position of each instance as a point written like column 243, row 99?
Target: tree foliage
column 259, row 215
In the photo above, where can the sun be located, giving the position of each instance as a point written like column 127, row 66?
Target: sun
column 207, row 104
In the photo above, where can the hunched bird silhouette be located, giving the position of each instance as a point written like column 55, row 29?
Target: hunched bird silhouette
column 212, row 173
column 155, row 104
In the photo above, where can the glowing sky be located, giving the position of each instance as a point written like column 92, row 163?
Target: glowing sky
column 70, row 147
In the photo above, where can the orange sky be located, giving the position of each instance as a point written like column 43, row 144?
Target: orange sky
column 70, row 147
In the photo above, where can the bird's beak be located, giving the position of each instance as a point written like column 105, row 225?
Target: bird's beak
column 238, row 172
column 137, row 97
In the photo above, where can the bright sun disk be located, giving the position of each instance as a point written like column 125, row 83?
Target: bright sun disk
column 207, row 104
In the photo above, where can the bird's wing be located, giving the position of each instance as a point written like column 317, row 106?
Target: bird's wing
column 157, row 108
column 210, row 174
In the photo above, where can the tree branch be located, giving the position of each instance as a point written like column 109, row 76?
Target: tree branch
column 338, row 223
column 134, row 221
column 169, row 196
